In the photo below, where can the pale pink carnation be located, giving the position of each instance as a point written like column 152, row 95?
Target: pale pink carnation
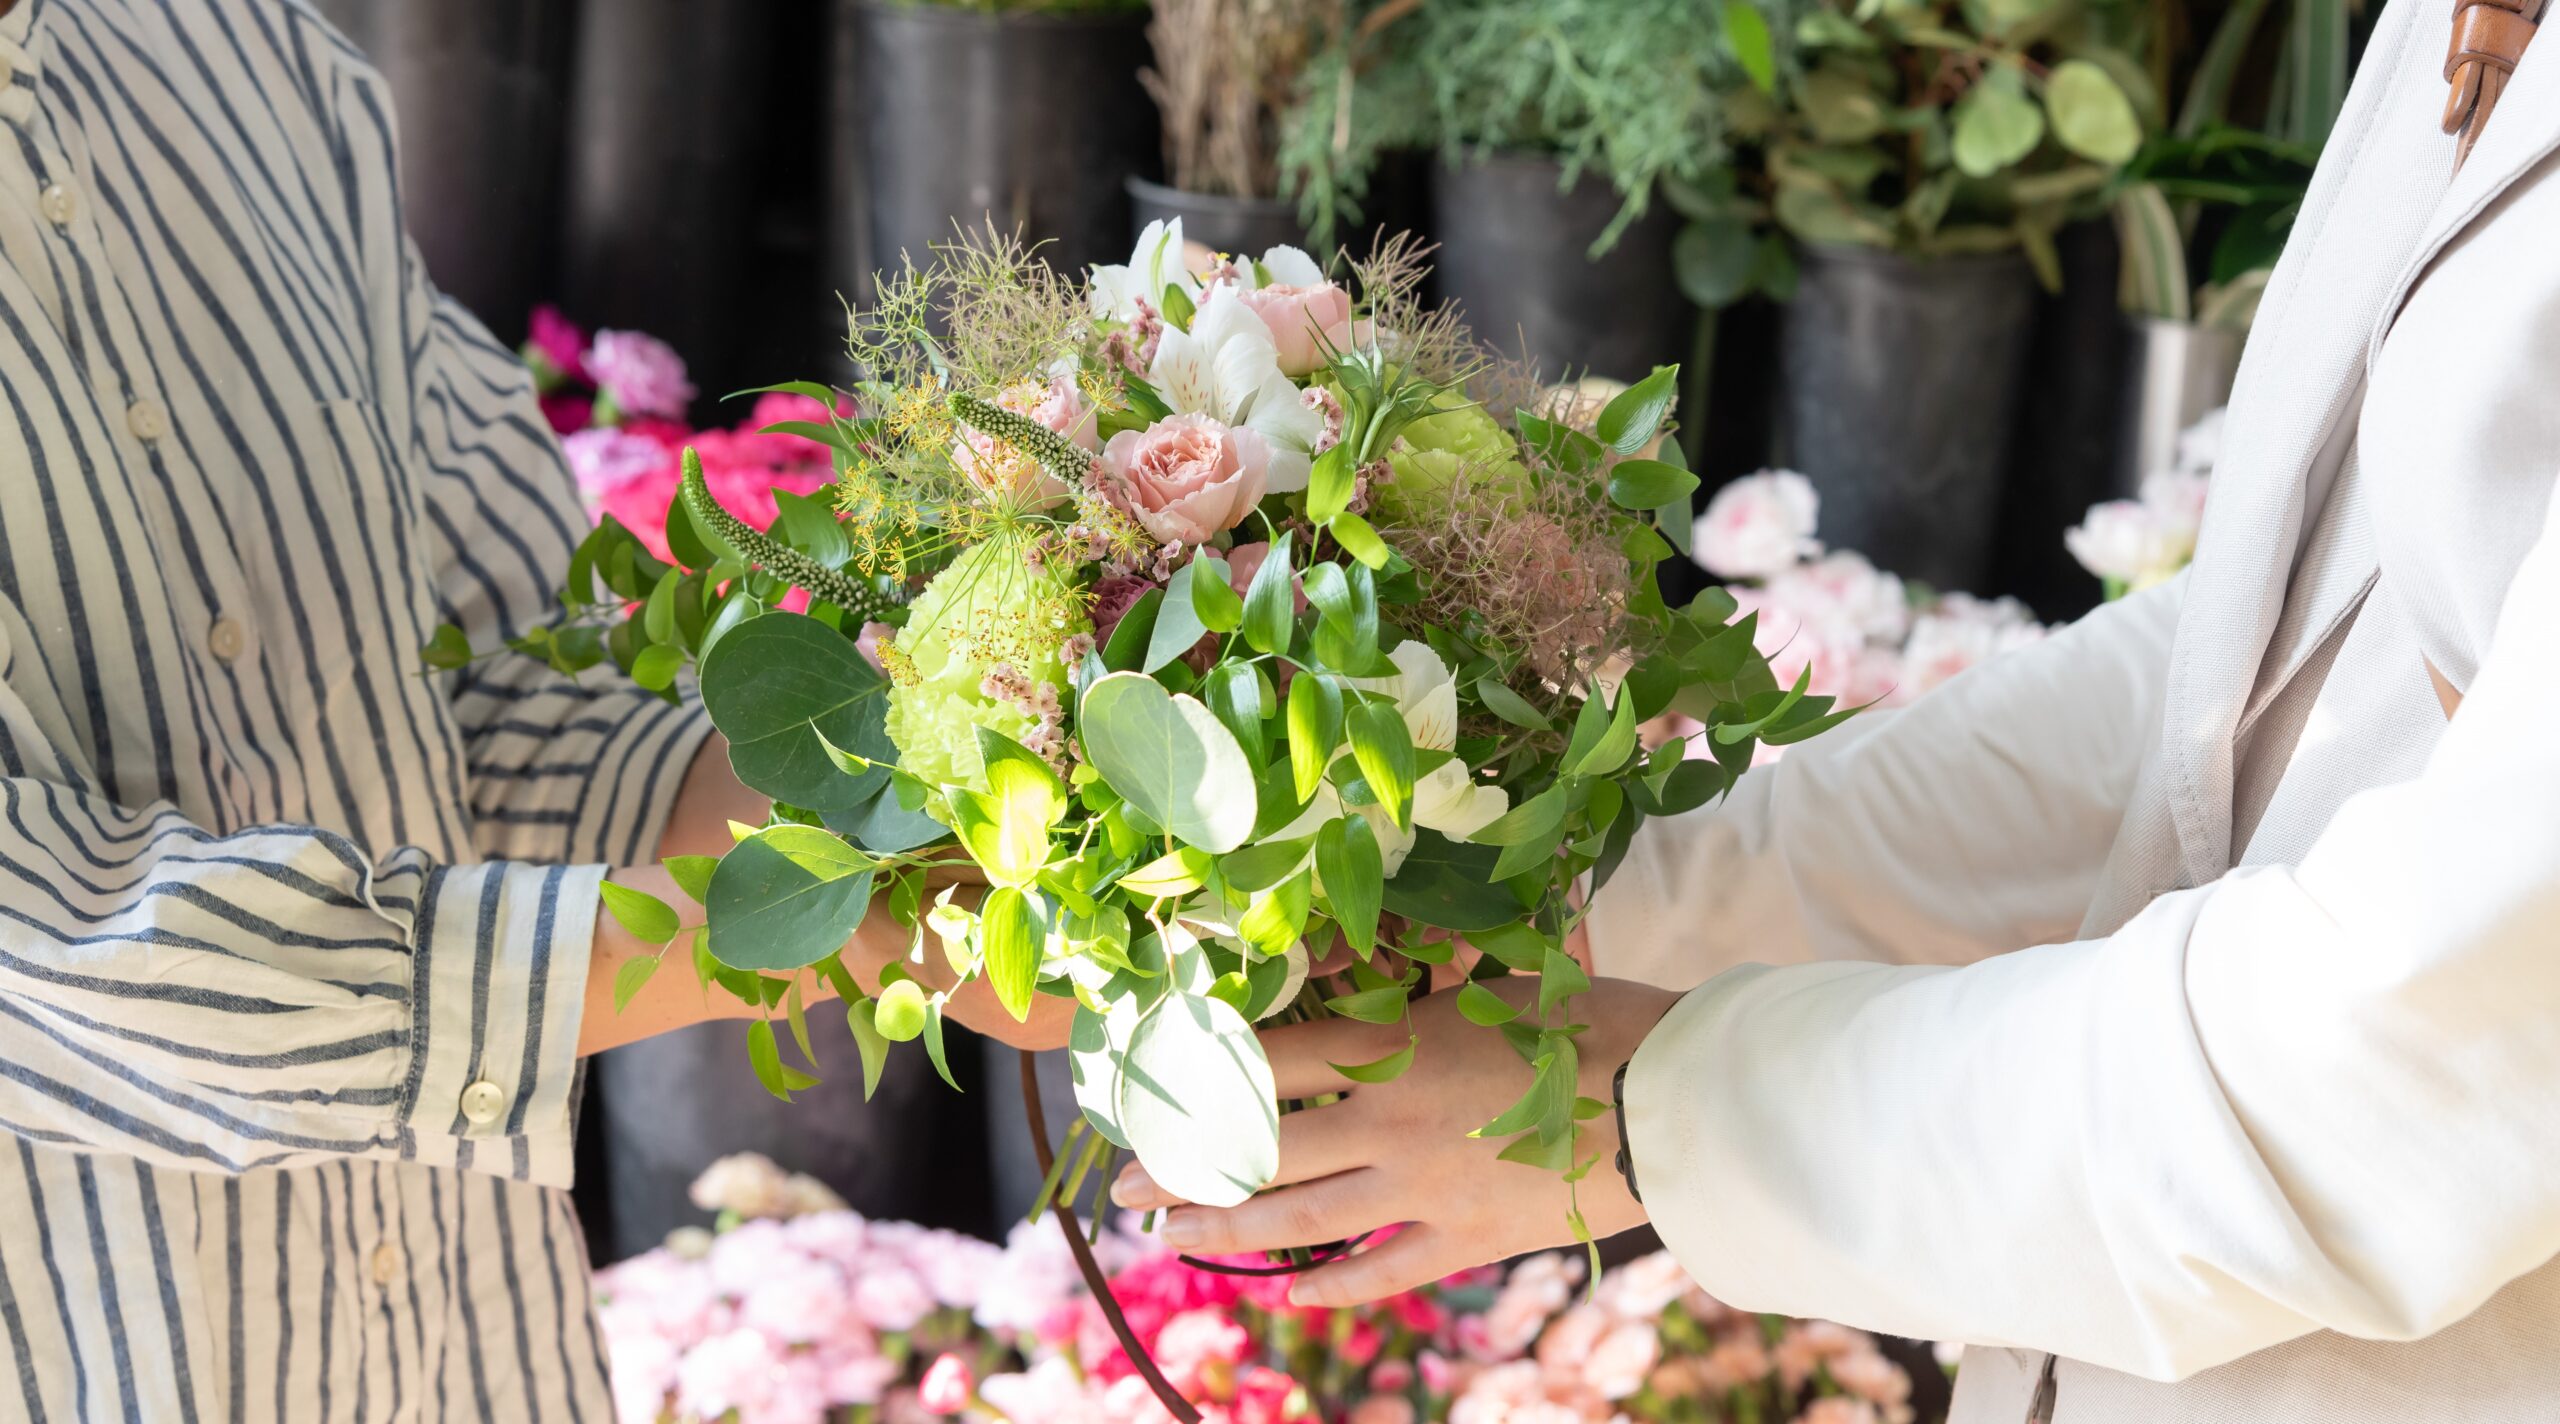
column 1867, row 1374
column 1200, row 1348
column 1382, row 1409
column 852, row 1370
column 643, row 374
column 800, row 1304
column 1619, row 1362
column 1643, row 1288
column 1807, row 1344
column 1758, row 526
column 644, row 1372
column 1839, row 1409
column 891, row 1298
column 740, row 1369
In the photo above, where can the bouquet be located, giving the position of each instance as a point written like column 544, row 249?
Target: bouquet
column 1252, row 634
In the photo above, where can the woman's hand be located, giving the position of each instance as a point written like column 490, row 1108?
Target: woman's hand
column 1398, row 1152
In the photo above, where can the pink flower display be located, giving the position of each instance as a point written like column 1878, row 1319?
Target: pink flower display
column 946, row 1387
column 555, row 347
column 1188, row 476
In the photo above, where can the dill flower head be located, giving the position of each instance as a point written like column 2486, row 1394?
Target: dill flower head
column 980, row 649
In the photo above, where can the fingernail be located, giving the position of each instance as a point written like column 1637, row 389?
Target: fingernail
column 1180, row 1229
column 1131, row 1188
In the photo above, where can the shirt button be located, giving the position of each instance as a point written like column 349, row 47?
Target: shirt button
column 386, row 1264
column 227, row 638
column 58, row 205
column 146, row 420
column 482, row 1102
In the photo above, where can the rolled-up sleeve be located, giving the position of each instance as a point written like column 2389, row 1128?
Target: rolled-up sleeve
column 1975, row 821
column 580, row 769
column 2298, row 1098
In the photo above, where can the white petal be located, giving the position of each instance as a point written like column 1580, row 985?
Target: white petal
column 1324, row 809
column 1455, row 804
column 1393, row 844
column 1291, row 267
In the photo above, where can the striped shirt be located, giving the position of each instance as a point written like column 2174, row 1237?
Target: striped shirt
column 293, row 938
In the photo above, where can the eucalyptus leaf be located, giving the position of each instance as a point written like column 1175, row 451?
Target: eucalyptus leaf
column 1198, row 1104
column 1170, row 758
column 769, row 681
column 781, row 901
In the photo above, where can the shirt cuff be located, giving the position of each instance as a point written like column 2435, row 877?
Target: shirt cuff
column 496, row 995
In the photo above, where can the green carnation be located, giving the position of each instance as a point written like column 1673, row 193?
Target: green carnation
column 981, row 642
column 1459, row 440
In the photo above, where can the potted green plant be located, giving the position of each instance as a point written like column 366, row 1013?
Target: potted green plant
column 1026, row 113
column 2204, row 211
column 1921, row 161
column 1225, row 76
column 1557, row 122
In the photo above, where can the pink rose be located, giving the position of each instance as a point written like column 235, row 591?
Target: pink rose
column 999, row 469
column 1307, row 324
column 1758, row 526
column 1188, row 476
column 946, row 1387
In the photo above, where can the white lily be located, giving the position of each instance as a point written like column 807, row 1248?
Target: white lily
column 1156, row 264
column 1226, row 367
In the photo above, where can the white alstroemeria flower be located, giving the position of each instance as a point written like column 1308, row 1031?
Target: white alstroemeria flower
column 1394, row 843
column 1155, row 265
column 1446, row 799
column 1291, row 267
column 1226, row 367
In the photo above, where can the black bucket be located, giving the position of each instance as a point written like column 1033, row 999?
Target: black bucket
column 1515, row 257
column 1899, row 394
column 666, row 1108
column 1035, row 120
column 1245, row 227
column 478, row 85
column 691, row 209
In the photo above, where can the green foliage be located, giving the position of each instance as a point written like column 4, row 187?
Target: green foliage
column 1633, row 91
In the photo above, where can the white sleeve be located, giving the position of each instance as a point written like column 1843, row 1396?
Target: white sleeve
column 2325, row 1097
column 1972, row 822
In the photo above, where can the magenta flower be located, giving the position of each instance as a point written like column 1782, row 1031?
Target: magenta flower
column 555, row 348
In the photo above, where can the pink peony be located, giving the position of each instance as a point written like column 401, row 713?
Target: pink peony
column 997, row 468
column 1188, row 476
column 947, row 1386
column 1758, row 526
column 1308, row 324
column 642, row 374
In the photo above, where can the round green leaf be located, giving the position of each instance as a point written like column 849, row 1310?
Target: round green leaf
column 1197, row 1102
column 1997, row 123
column 785, row 898
column 2091, row 114
column 1170, row 758
column 899, row 1014
column 768, row 680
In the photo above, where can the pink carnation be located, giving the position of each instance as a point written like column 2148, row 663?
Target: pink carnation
column 643, row 374
column 1758, row 525
column 558, row 344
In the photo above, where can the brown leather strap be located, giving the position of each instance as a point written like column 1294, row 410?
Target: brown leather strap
column 2489, row 36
